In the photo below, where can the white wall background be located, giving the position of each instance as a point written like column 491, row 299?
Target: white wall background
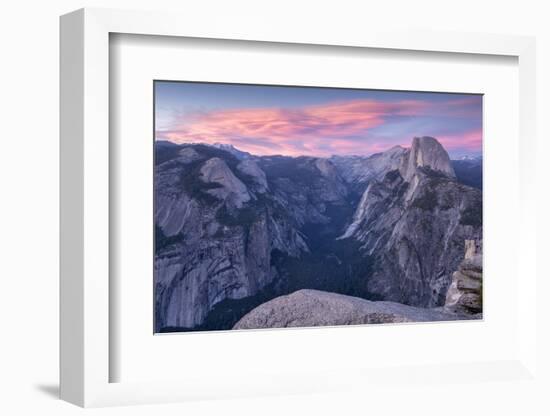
column 29, row 204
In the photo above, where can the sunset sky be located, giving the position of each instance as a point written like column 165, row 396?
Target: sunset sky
column 294, row 121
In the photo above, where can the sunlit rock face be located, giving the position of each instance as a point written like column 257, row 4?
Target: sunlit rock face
column 426, row 152
column 230, row 190
column 250, row 167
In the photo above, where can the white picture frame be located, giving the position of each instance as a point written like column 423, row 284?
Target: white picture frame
column 85, row 219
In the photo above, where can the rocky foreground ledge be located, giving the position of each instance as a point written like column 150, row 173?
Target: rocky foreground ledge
column 465, row 295
column 306, row 308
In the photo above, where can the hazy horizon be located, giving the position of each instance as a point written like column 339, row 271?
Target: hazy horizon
column 473, row 155
column 315, row 121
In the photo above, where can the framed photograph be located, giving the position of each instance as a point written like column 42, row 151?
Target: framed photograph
column 273, row 211
column 286, row 206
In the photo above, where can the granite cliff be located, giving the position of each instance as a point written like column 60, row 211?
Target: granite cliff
column 414, row 222
column 233, row 230
column 465, row 294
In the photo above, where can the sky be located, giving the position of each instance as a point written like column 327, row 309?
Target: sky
column 302, row 121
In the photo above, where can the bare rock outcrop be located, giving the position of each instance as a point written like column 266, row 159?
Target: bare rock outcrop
column 216, row 171
column 426, row 152
column 465, row 295
column 307, row 308
column 188, row 155
column 250, row 167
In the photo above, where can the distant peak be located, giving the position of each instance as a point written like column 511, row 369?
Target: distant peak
column 224, row 145
column 240, row 154
column 469, row 158
column 425, row 139
column 425, row 143
column 426, row 151
column 165, row 143
column 395, row 150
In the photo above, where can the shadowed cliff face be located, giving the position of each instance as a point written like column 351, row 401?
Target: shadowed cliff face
column 223, row 221
column 414, row 223
column 234, row 230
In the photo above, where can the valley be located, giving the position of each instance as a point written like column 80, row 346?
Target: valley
column 234, row 230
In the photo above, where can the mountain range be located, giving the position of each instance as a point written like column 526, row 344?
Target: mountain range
column 234, row 230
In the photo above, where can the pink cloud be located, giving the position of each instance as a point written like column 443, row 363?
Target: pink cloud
column 319, row 130
column 468, row 140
